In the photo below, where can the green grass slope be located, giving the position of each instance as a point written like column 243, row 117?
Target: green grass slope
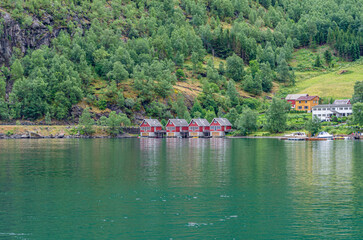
column 334, row 82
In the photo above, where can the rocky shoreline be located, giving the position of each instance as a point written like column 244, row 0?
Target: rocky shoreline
column 59, row 136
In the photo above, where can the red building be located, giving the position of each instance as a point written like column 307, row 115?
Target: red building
column 198, row 128
column 291, row 98
column 219, row 127
column 177, row 128
column 150, row 128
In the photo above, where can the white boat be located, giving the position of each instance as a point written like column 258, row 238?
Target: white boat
column 325, row 135
column 296, row 136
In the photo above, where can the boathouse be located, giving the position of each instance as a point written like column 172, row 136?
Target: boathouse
column 198, row 128
column 177, row 128
column 150, row 128
column 219, row 127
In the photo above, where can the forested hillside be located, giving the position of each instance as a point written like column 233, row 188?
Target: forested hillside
column 162, row 59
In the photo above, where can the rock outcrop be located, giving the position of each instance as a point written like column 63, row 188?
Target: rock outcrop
column 40, row 32
column 31, row 37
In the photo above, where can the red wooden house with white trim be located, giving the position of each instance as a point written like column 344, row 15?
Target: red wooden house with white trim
column 150, row 128
column 177, row 128
column 219, row 127
column 198, row 128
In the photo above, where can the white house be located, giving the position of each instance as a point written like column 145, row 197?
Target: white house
column 342, row 101
column 325, row 112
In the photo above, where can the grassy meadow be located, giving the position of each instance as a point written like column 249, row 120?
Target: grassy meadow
column 335, row 82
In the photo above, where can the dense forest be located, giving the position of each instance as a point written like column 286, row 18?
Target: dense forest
column 138, row 50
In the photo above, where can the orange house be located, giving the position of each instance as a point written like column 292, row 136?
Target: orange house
column 305, row 103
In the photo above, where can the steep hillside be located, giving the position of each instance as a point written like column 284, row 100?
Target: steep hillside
column 335, row 80
column 162, row 59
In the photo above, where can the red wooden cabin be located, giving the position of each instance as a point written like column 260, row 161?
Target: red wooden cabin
column 177, row 128
column 198, row 128
column 149, row 127
column 219, row 127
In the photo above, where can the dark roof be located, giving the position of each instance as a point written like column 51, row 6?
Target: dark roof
column 179, row 122
column 153, row 122
column 342, row 101
column 306, row 98
column 332, row 105
column 223, row 121
column 201, row 122
column 295, row 96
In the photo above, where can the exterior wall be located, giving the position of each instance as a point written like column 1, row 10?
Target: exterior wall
column 213, row 125
column 196, row 134
column 325, row 113
column 173, row 134
column 217, row 134
column 147, row 134
column 193, row 124
column 292, row 102
column 145, row 125
column 170, row 125
column 306, row 105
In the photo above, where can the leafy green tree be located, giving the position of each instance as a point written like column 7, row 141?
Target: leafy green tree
column 232, row 116
column 251, row 85
column 358, row 92
column 317, row 61
column 247, row 121
column 180, row 75
column 313, row 125
column 180, row 107
column 328, row 57
column 235, row 68
column 4, row 110
column 2, row 87
column 210, row 115
column 276, row 115
column 221, row 68
column 358, row 113
column 266, row 77
column 17, row 70
column 232, row 92
column 120, row 100
column 47, row 118
column 118, row 73
column 86, row 122
column 114, row 122
column 187, row 116
column 196, row 108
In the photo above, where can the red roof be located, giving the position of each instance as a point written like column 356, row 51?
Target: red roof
column 306, row 98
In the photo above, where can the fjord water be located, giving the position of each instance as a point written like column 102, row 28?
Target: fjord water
column 180, row 188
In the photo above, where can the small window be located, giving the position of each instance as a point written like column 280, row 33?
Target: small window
column 299, row 101
column 345, row 108
column 306, row 101
column 300, row 107
column 306, row 107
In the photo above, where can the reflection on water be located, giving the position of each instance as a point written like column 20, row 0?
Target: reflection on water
column 180, row 188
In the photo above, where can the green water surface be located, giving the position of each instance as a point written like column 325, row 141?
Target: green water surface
column 180, row 189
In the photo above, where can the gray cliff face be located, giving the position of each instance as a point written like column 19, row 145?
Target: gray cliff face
column 32, row 37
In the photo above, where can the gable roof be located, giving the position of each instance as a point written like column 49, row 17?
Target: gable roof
column 331, row 105
column 342, row 101
column 152, row 122
column 306, row 98
column 179, row 122
column 200, row 122
column 223, row 121
column 295, row 96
